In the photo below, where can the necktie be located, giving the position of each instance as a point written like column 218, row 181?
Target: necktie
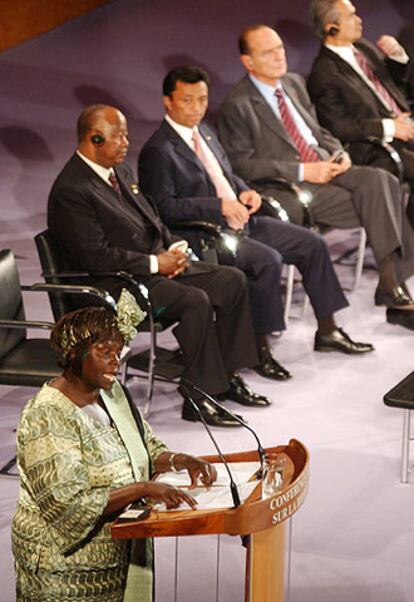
column 212, row 167
column 380, row 88
column 305, row 150
column 114, row 182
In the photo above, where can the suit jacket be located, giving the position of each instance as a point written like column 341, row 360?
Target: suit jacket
column 257, row 143
column 406, row 38
column 174, row 177
column 172, row 174
column 96, row 230
column 344, row 103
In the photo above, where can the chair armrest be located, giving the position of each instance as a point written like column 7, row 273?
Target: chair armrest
column 392, row 153
column 140, row 290
column 76, row 289
column 387, row 148
column 208, row 227
column 25, row 324
column 272, row 208
column 225, row 241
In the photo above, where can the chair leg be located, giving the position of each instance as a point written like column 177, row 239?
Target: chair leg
column 151, row 368
column 4, row 470
column 360, row 259
column 405, row 451
column 289, row 291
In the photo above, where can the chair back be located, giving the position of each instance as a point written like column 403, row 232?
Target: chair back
column 52, row 263
column 11, row 302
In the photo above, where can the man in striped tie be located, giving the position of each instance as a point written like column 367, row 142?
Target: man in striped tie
column 357, row 89
column 269, row 129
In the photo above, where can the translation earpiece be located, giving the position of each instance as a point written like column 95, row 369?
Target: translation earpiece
column 97, row 139
column 333, row 31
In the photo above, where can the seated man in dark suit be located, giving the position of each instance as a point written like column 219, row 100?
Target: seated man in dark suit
column 406, row 38
column 268, row 127
column 185, row 170
column 101, row 223
column 357, row 89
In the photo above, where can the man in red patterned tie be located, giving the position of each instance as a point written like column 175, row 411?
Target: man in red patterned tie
column 269, row 129
column 357, row 90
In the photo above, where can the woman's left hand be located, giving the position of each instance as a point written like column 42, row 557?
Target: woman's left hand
column 199, row 469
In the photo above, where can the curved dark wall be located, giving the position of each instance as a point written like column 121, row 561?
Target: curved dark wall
column 119, row 55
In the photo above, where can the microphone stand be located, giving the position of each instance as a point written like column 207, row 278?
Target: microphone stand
column 233, row 487
column 218, row 405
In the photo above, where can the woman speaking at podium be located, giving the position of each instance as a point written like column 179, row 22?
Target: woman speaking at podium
column 84, row 454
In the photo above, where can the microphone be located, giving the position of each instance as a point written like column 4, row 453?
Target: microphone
column 260, row 449
column 233, row 487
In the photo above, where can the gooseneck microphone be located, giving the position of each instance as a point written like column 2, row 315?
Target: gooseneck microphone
column 233, row 487
column 218, row 405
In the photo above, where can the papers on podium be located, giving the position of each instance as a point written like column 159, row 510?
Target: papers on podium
column 219, row 494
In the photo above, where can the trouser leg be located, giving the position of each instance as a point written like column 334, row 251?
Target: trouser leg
column 309, row 253
column 262, row 266
column 212, row 350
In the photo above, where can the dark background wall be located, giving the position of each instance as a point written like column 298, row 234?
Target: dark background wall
column 119, row 55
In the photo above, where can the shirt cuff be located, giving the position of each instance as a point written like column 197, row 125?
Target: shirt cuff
column 301, row 171
column 153, row 261
column 400, row 58
column 388, row 129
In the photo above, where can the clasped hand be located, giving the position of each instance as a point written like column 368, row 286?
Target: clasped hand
column 237, row 214
column 404, row 127
column 172, row 263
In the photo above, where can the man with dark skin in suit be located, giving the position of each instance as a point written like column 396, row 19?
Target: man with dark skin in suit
column 100, row 223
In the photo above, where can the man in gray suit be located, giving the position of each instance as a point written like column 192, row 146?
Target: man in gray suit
column 270, row 131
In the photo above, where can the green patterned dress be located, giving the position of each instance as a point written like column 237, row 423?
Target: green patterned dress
column 68, row 463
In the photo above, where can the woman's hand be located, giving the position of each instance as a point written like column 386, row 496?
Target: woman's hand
column 171, row 496
column 199, row 469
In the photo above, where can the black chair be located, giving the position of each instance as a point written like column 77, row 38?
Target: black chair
column 23, row 361
column 158, row 363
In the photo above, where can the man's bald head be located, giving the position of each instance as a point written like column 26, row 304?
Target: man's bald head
column 103, row 135
column 262, row 53
column 92, row 116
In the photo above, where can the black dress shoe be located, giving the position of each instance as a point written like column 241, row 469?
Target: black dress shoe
column 242, row 393
column 339, row 340
column 399, row 296
column 213, row 416
column 402, row 317
column 269, row 367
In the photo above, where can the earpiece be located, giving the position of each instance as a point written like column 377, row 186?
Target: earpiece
column 97, row 139
column 333, row 31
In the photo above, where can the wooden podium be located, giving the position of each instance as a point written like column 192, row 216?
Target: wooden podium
column 262, row 520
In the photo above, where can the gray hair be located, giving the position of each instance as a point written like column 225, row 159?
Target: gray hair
column 323, row 12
